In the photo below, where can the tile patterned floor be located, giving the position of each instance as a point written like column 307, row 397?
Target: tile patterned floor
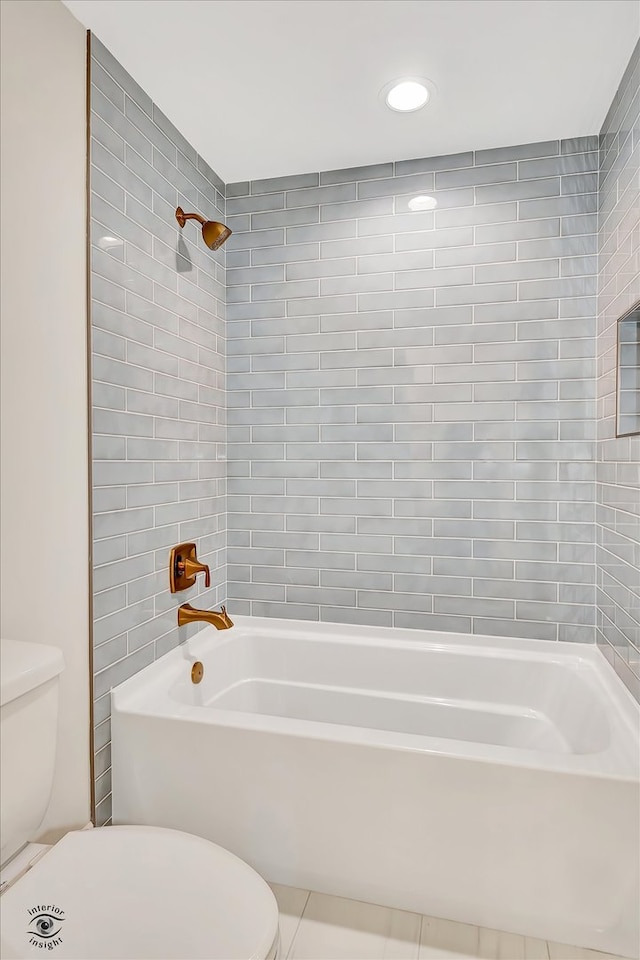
column 314, row 926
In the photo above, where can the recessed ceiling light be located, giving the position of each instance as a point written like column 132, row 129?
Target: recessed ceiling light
column 406, row 95
column 422, row 203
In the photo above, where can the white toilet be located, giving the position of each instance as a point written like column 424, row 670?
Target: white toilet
column 112, row 892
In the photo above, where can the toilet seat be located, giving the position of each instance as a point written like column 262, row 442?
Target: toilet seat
column 139, row 892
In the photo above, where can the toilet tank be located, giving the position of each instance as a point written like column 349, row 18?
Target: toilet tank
column 28, row 727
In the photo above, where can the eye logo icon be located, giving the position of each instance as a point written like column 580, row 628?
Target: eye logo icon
column 45, row 926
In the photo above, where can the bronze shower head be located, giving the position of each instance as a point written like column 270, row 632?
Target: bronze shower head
column 214, row 234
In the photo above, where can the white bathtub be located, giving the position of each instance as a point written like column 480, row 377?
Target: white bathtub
column 484, row 780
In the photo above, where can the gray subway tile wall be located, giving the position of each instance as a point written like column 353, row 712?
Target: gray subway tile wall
column 158, row 385
column 416, row 423
column 618, row 459
column 411, row 393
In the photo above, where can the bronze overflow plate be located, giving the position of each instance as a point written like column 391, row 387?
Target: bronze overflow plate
column 197, row 672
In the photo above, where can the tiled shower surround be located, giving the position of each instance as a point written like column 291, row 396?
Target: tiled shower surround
column 618, row 460
column 157, row 317
column 411, row 418
column 411, row 395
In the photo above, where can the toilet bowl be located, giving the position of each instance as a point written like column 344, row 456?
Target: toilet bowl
column 139, row 892
column 111, row 893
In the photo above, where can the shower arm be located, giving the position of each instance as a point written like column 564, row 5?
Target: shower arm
column 214, row 233
column 182, row 217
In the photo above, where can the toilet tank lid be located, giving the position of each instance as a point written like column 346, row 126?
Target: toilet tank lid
column 25, row 666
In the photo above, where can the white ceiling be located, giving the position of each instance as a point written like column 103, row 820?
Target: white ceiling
column 265, row 88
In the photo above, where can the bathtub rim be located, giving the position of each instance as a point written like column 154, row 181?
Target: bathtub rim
column 152, row 698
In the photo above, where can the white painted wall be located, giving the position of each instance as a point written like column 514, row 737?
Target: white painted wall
column 44, row 512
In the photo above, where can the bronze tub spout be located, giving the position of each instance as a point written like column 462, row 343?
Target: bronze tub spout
column 188, row 614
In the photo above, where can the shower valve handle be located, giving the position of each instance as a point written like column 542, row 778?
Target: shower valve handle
column 184, row 567
column 191, row 568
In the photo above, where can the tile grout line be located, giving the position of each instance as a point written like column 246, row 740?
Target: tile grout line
column 295, row 934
